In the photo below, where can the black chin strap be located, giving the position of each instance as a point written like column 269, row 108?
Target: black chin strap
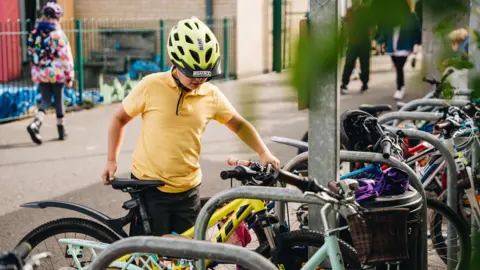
column 183, row 89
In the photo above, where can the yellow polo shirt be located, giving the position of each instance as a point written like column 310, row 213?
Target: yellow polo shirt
column 169, row 145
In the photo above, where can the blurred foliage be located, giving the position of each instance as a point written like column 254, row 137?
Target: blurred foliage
column 317, row 53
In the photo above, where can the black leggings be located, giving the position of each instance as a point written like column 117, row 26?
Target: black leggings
column 46, row 90
column 168, row 212
column 399, row 62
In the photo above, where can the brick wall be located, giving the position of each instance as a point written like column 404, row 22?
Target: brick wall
column 152, row 9
column 139, row 9
column 225, row 8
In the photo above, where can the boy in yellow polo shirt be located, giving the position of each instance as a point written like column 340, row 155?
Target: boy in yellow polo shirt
column 176, row 107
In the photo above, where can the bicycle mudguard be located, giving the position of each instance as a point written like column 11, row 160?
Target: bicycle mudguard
column 300, row 145
column 116, row 225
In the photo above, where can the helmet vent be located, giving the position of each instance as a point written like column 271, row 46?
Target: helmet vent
column 188, row 25
column 175, row 36
column 208, row 55
column 170, row 42
column 198, row 27
column 207, row 38
column 175, row 56
column 181, row 50
column 195, row 56
column 188, row 40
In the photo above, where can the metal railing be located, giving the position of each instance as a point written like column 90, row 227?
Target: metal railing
column 111, row 56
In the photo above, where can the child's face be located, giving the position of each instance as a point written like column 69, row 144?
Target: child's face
column 455, row 46
column 190, row 83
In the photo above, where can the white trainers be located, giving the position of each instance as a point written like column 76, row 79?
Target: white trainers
column 399, row 94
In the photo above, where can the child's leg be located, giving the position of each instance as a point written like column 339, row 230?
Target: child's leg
column 59, row 109
column 46, row 93
column 185, row 209
column 59, row 100
column 34, row 127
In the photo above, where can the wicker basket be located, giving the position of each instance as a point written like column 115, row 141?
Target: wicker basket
column 380, row 235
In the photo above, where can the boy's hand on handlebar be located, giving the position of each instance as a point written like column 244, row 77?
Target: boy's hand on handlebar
column 109, row 172
column 269, row 158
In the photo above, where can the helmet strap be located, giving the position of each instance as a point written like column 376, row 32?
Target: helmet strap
column 179, row 83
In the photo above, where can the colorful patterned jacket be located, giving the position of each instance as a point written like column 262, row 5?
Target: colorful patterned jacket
column 50, row 54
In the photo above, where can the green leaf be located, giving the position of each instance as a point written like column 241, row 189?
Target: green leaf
column 476, row 87
column 447, row 90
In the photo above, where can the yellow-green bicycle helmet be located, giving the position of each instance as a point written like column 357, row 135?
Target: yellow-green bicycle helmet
column 194, row 49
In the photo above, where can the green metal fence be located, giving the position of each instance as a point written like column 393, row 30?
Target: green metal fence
column 108, row 56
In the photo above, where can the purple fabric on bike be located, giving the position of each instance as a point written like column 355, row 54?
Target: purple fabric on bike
column 366, row 190
column 391, row 182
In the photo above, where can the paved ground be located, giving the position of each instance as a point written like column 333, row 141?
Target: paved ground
column 70, row 170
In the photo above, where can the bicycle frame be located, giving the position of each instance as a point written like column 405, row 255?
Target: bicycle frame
column 241, row 208
column 330, row 248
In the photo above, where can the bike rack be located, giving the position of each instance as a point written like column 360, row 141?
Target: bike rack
column 451, row 174
column 245, row 192
column 182, row 248
column 409, row 116
column 414, row 104
column 295, row 195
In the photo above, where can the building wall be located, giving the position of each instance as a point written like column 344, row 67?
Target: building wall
column 250, row 41
column 152, row 9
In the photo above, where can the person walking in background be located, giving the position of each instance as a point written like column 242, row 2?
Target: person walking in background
column 457, row 76
column 400, row 33
column 358, row 29
column 418, row 9
column 52, row 67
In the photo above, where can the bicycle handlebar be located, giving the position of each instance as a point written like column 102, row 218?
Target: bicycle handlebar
column 305, row 184
column 431, row 81
column 444, row 125
column 386, row 145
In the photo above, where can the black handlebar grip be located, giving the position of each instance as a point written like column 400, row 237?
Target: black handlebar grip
column 387, row 149
column 228, row 174
column 22, row 250
column 443, row 125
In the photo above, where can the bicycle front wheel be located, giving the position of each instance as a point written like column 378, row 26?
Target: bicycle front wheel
column 439, row 216
column 45, row 238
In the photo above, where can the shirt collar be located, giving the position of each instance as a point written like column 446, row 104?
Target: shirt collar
column 201, row 91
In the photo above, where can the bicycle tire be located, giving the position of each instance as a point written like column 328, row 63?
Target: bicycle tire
column 442, row 210
column 310, row 239
column 70, row 225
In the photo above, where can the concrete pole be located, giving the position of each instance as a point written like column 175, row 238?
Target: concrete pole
column 323, row 117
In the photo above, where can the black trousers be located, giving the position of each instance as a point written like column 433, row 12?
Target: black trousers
column 46, row 91
column 168, row 212
column 353, row 52
column 399, row 62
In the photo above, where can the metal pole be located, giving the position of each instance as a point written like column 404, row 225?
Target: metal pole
column 449, row 158
column 409, row 116
column 162, row 46
column 324, row 104
column 79, row 68
column 182, row 248
column 226, row 72
column 209, row 12
column 410, row 106
column 277, row 36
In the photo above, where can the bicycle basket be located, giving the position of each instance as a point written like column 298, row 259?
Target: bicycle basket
column 380, row 235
